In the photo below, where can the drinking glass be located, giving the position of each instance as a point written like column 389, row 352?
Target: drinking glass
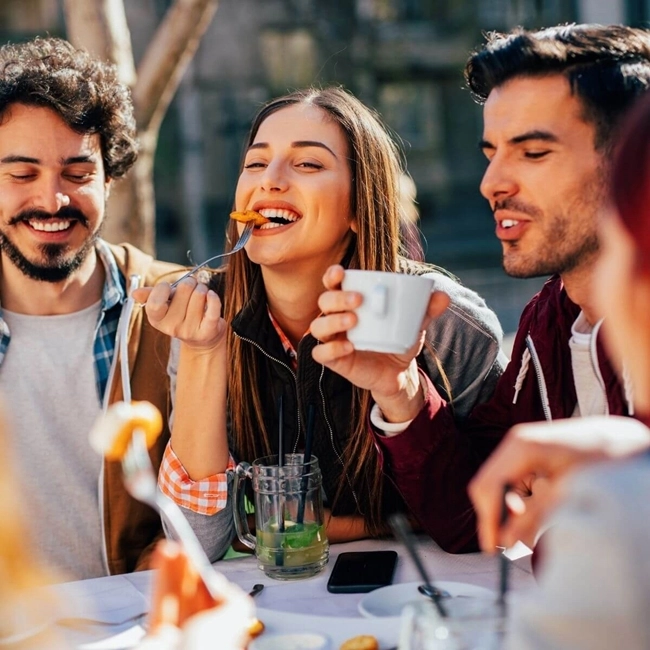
column 471, row 624
column 290, row 540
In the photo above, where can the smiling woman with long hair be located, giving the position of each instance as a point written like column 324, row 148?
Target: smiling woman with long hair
column 322, row 167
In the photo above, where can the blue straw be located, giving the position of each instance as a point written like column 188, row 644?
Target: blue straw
column 306, row 459
column 504, row 562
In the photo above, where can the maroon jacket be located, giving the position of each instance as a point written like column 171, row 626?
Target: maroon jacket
column 433, row 461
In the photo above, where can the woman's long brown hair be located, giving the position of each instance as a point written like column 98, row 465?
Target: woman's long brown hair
column 376, row 165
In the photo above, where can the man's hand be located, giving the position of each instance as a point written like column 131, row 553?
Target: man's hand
column 392, row 378
column 549, row 451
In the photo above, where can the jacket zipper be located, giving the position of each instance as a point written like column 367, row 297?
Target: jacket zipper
column 293, row 374
column 541, row 383
column 322, row 394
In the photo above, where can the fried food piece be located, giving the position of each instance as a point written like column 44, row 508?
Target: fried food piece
column 255, row 628
column 249, row 215
column 113, row 430
column 361, row 642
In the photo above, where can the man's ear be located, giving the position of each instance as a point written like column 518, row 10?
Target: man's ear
column 107, row 187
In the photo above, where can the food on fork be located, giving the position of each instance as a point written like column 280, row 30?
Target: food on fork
column 361, row 642
column 249, row 215
column 113, row 429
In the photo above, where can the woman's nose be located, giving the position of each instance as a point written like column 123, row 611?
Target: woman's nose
column 274, row 178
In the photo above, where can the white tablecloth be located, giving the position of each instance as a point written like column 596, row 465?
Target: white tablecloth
column 296, row 606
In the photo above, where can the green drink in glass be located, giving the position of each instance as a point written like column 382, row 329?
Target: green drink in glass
column 290, row 537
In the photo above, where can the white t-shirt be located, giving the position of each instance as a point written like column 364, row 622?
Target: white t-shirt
column 592, row 398
column 48, row 381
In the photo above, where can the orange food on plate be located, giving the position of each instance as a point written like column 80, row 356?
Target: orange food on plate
column 113, row 430
column 249, row 215
column 361, row 642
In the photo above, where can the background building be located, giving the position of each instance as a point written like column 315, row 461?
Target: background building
column 403, row 57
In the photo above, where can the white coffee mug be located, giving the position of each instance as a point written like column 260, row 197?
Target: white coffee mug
column 394, row 304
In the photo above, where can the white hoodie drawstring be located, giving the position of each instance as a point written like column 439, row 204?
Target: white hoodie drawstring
column 519, row 382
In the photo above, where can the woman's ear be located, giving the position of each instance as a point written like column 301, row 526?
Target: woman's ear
column 354, row 225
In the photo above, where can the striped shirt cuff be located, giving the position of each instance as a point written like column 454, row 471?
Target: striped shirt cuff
column 205, row 497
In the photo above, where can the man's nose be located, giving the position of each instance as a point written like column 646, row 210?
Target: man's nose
column 51, row 197
column 498, row 181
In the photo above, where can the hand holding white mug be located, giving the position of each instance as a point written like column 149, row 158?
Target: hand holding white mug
column 392, row 378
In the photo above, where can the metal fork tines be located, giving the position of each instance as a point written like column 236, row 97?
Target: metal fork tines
column 140, row 481
column 241, row 242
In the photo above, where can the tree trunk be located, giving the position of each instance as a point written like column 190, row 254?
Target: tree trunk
column 100, row 27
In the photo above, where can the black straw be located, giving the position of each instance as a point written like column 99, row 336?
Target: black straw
column 280, row 460
column 504, row 562
column 402, row 531
column 306, row 459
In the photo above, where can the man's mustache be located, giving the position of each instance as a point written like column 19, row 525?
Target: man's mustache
column 514, row 205
column 67, row 212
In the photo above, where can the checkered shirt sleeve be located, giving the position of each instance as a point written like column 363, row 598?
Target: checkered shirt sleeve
column 206, row 497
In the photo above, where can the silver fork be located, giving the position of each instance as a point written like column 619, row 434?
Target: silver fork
column 140, row 481
column 241, row 242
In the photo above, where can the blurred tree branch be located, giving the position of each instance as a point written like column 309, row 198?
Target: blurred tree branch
column 100, row 27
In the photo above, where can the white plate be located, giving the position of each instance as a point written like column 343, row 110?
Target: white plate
column 337, row 630
column 389, row 601
column 304, row 641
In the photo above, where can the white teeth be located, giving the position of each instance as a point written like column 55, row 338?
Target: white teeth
column 271, row 224
column 509, row 223
column 288, row 215
column 50, row 226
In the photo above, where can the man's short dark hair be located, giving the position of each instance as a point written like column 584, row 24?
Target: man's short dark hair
column 85, row 92
column 607, row 67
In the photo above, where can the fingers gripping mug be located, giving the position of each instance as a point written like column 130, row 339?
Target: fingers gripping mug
column 290, row 540
column 390, row 317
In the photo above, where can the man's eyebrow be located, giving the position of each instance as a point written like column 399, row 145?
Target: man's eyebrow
column 14, row 158
column 539, row 135
column 298, row 144
column 79, row 159
column 19, row 159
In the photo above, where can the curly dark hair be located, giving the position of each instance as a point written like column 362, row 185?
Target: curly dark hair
column 85, row 92
column 607, row 67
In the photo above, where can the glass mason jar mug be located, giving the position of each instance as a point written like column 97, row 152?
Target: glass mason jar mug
column 290, row 540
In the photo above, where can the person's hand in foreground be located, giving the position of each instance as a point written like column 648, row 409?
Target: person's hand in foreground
column 184, row 614
column 392, row 379
column 548, row 451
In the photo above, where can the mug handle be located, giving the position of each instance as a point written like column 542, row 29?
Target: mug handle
column 379, row 300
column 242, row 472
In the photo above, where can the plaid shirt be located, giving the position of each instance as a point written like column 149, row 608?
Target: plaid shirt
column 113, row 295
column 209, row 495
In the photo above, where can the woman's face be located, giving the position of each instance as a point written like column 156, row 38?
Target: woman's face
column 297, row 174
column 622, row 295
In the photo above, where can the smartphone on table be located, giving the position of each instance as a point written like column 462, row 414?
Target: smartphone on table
column 358, row 572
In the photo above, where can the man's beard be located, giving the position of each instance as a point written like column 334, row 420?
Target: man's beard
column 57, row 266
column 567, row 244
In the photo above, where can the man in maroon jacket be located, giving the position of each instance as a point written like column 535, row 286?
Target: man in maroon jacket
column 552, row 100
